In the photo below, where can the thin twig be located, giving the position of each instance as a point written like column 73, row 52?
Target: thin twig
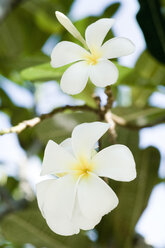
column 108, row 115
column 100, row 113
column 112, row 130
column 110, row 99
column 36, row 120
column 123, row 123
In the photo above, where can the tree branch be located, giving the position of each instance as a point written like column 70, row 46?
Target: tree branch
column 103, row 114
column 110, row 98
column 36, row 120
column 123, row 123
column 108, row 115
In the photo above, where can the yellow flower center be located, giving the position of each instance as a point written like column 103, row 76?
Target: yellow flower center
column 93, row 57
column 83, row 167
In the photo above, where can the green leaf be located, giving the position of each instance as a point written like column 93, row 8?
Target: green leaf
column 139, row 116
column 11, row 66
column 20, row 38
column 45, row 72
column 82, row 24
column 48, row 23
column 147, row 162
column 24, row 32
column 118, row 228
column 148, row 73
column 60, row 126
column 28, row 226
column 123, row 72
column 11, row 184
column 152, row 22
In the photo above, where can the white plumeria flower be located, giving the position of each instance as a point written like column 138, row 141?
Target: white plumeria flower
column 78, row 198
column 92, row 63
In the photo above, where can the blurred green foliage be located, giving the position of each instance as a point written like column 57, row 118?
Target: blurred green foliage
column 151, row 18
column 24, row 31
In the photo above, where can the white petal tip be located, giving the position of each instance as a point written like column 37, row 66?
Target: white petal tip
column 116, row 203
column 53, row 64
column 69, row 92
column 59, row 14
column 107, row 126
column 132, row 47
column 50, row 142
column 60, row 232
column 112, row 20
column 109, row 20
column 133, row 176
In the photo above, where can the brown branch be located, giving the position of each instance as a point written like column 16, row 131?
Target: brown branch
column 102, row 114
column 108, row 115
column 123, row 123
column 110, row 98
column 112, row 130
column 36, row 120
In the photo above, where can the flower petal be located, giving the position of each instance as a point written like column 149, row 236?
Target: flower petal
column 66, row 23
column 96, row 32
column 66, row 52
column 85, row 136
column 117, row 47
column 75, row 78
column 41, row 189
column 95, row 197
column 67, row 145
column 57, row 204
column 103, row 73
column 56, row 159
column 83, row 222
column 115, row 162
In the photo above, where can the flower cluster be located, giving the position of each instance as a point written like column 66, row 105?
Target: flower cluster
column 76, row 197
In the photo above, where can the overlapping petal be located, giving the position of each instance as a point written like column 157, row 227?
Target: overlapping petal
column 56, row 159
column 57, row 203
column 75, row 78
column 67, row 145
column 103, row 73
column 42, row 189
column 117, row 47
column 96, row 32
column 61, row 210
column 84, row 223
column 95, row 197
column 66, row 52
column 115, row 162
column 85, row 136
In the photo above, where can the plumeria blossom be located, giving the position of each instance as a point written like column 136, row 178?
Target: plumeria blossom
column 92, row 62
column 77, row 197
